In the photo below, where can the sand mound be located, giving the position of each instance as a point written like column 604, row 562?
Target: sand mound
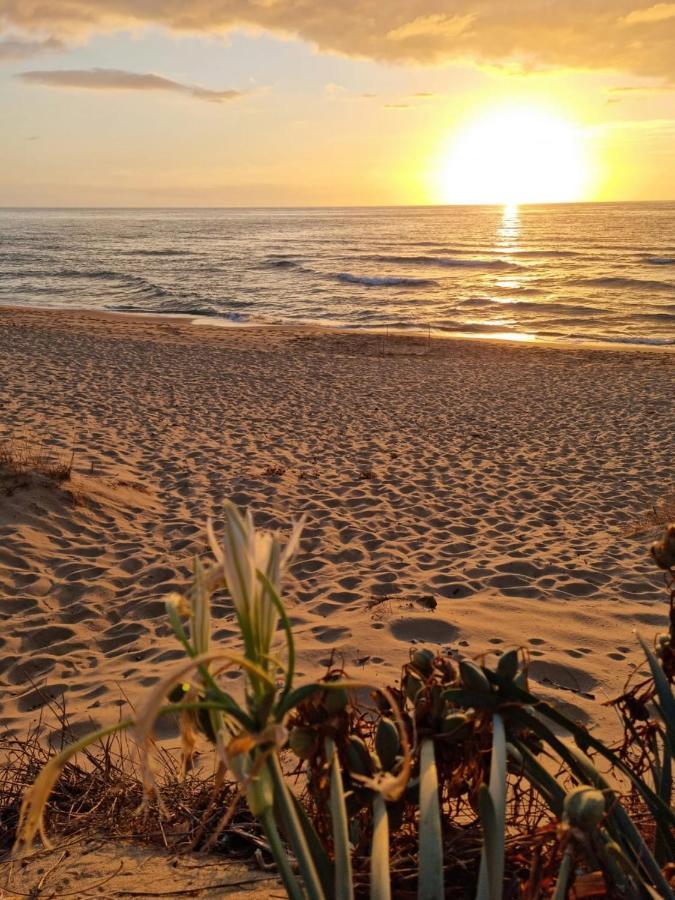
column 58, row 581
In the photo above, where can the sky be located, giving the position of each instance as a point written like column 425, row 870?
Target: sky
column 337, row 102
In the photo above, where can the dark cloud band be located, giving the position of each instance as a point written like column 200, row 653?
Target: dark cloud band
column 120, row 80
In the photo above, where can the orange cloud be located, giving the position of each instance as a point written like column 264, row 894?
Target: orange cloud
column 657, row 13
column 629, row 35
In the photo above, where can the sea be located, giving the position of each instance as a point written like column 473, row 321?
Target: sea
column 565, row 272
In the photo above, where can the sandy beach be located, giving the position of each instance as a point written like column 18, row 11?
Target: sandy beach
column 462, row 494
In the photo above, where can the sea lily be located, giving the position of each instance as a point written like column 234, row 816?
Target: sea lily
column 252, row 564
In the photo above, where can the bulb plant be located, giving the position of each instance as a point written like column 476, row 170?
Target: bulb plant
column 452, row 755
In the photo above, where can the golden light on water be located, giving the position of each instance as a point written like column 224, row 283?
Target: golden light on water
column 514, row 155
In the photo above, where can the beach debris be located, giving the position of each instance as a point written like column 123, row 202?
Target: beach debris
column 428, row 601
column 663, row 551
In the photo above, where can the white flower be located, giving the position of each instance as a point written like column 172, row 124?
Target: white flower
column 253, row 563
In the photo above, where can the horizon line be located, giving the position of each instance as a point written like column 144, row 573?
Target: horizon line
column 345, row 206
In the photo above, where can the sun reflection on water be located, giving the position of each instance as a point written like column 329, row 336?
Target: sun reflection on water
column 508, row 231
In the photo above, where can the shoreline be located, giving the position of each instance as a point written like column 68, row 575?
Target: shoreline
column 215, row 322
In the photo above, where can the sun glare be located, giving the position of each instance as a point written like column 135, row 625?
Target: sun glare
column 514, row 155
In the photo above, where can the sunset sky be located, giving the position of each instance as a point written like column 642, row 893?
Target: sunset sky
column 291, row 102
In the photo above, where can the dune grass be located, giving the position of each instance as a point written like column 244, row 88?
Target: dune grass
column 661, row 512
column 22, row 460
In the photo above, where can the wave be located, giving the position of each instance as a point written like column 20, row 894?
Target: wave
column 472, row 327
column 178, row 309
column 450, row 262
column 659, row 260
column 654, row 316
column 544, row 307
column 625, row 339
column 118, row 281
column 159, row 311
column 384, row 281
column 533, row 252
column 281, row 263
column 547, row 254
column 477, row 302
column 640, row 284
column 518, row 290
column 166, row 252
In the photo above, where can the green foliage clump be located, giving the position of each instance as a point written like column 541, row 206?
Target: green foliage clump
column 458, row 781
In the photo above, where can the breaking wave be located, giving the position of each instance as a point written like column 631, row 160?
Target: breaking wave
column 384, row 280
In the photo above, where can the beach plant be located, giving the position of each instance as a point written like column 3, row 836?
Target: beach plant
column 447, row 768
column 479, row 729
column 249, row 735
column 21, row 460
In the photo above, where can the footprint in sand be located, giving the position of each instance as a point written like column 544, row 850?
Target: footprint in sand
column 328, row 635
column 567, row 678
column 41, row 696
column 41, row 638
column 423, row 628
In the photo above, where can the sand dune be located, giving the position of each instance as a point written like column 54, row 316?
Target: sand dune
column 467, row 495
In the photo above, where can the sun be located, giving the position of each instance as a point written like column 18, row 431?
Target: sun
column 514, row 155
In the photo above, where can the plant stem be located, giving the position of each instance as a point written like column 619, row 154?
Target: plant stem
column 344, row 887
column 564, row 874
column 293, row 889
column 380, row 879
column 296, row 835
column 430, row 830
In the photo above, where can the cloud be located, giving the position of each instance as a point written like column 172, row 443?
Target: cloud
column 13, row 49
column 431, row 26
column 644, row 89
column 635, row 36
column 657, row 13
column 120, row 80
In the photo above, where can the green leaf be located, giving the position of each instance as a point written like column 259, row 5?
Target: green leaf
column 488, row 821
column 564, row 873
column 663, row 689
column 619, row 822
column 323, row 864
column 430, row 886
column 380, row 883
column 467, row 698
column 344, row 887
column 492, row 808
column 665, row 817
column 387, row 743
column 665, row 793
column 295, row 697
column 646, row 890
column 288, row 631
column 541, row 779
column 280, row 855
column 473, row 677
column 296, row 834
column 507, row 666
